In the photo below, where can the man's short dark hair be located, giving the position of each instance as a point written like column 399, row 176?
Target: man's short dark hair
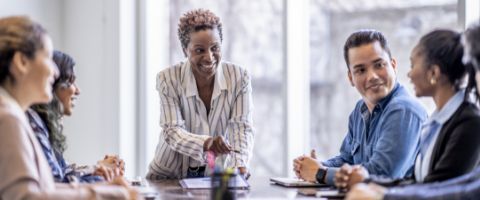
column 362, row 37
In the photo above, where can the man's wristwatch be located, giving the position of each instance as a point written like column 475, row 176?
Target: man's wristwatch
column 321, row 173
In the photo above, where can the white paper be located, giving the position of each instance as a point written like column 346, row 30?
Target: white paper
column 206, row 183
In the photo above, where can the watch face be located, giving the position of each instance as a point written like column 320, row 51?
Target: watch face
column 320, row 175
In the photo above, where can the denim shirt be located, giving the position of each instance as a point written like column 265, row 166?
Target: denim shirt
column 384, row 141
column 61, row 171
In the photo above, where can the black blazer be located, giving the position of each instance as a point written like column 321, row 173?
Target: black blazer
column 456, row 151
column 457, row 148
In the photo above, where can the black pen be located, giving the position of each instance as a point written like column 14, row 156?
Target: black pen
column 233, row 150
column 236, row 151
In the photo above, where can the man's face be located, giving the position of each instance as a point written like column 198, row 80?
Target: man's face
column 372, row 72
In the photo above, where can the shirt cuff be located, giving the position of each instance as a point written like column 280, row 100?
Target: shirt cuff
column 330, row 177
column 239, row 160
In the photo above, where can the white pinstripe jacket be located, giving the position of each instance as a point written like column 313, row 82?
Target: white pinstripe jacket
column 185, row 124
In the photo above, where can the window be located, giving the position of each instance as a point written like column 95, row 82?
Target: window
column 332, row 97
column 256, row 37
column 253, row 39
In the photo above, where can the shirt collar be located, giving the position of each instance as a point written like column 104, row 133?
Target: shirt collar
column 191, row 85
column 383, row 102
column 12, row 103
column 441, row 116
column 387, row 99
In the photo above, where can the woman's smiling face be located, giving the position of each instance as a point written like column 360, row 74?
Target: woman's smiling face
column 204, row 52
column 67, row 94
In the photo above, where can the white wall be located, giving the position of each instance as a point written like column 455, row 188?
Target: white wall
column 94, row 122
column 153, row 56
column 46, row 12
column 92, row 37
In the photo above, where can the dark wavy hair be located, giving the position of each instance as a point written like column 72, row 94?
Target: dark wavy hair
column 52, row 112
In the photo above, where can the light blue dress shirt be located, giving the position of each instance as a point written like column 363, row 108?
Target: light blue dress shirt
column 436, row 120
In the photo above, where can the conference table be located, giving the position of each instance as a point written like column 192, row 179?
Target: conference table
column 260, row 188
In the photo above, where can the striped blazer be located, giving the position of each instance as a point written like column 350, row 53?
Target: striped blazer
column 185, row 124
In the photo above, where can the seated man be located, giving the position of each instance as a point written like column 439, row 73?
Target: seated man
column 463, row 187
column 383, row 129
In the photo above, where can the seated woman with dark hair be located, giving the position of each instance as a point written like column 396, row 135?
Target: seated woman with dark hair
column 47, row 124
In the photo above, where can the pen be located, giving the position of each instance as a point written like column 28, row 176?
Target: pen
column 233, row 150
column 236, row 151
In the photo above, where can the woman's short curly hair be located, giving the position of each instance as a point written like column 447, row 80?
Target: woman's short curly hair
column 196, row 20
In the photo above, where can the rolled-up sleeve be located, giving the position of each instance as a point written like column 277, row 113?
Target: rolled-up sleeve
column 173, row 124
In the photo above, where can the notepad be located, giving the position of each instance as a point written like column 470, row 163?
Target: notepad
column 295, row 182
column 237, row 182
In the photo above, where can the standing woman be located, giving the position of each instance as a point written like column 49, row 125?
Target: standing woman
column 26, row 77
column 47, row 124
column 205, row 105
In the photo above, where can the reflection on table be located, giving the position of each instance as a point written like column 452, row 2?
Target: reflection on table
column 260, row 188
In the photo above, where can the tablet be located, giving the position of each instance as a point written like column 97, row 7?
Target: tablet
column 295, row 182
